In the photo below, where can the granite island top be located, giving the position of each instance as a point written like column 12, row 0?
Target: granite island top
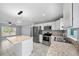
column 17, row 39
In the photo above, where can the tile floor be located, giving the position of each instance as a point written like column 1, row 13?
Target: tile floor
column 39, row 49
column 62, row 49
column 56, row 49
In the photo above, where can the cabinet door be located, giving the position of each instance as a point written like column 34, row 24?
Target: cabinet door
column 42, row 27
column 67, row 15
column 27, row 47
column 76, row 15
column 53, row 26
column 61, row 24
column 57, row 25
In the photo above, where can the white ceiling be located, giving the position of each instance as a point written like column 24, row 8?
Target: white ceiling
column 32, row 12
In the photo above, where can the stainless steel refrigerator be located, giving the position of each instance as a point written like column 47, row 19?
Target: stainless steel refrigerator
column 36, row 32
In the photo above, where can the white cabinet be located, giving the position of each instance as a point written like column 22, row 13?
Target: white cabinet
column 56, row 25
column 53, row 26
column 23, row 48
column 52, row 39
column 67, row 15
column 42, row 27
column 75, row 15
column 71, row 15
column 27, row 47
column 40, row 38
column 61, row 24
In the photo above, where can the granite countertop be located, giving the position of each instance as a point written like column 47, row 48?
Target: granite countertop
column 17, row 39
column 59, row 36
column 62, row 49
column 10, row 41
column 53, row 35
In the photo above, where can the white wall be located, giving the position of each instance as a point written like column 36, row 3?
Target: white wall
column 26, row 30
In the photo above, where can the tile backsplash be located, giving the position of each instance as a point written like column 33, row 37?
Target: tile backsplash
column 56, row 32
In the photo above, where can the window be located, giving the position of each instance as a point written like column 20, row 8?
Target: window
column 7, row 31
column 72, row 31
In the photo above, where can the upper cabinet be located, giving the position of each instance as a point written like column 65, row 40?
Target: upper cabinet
column 55, row 25
column 76, row 15
column 67, row 15
column 71, row 15
column 61, row 24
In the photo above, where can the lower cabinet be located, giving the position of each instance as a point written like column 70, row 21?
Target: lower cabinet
column 40, row 38
column 27, row 47
column 23, row 48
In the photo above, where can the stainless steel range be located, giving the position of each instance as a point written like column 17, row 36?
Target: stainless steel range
column 47, row 38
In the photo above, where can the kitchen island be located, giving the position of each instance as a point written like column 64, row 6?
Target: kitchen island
column 17, row 46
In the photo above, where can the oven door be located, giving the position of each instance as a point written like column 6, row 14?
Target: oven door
column 46, row 38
